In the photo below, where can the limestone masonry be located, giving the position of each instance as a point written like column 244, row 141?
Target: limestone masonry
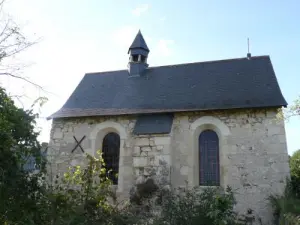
column 252, row 151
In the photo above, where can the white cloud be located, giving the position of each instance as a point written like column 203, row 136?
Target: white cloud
column 140, row 9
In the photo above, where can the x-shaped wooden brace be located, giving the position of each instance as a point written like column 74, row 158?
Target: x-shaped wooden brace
column 78, row 144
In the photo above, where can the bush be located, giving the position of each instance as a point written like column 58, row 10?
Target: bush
column 189, row 206
column 286, row 207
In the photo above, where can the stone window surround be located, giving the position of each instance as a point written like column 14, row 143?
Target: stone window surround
column 223, row 132
column 97, row 136
column 199, row 125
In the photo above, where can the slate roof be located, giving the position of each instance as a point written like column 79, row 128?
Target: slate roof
column 139, row 42
column 153, row 124
column 224, row 84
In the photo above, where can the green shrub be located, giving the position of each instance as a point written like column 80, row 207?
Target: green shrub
column 189, row 206
column 287, row 206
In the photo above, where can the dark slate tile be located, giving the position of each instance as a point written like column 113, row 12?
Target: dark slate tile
column 153, row 124
column 224, row 84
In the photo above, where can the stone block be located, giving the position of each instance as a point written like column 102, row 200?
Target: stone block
column 126, row 160
column 136, row 151
column 58, row 134
column 162, row 160
column 166, row 149
column 145, row 149
column 131, row 124
column 184, row 170
column 140, row 161
column 162, row 140
column 150, row 171
column 152, row 143
column 274, row 130
column 81, row 129
column 282, row 138
column 68, row 147
column 127, row 144
column 144, row 153
column 142, row 142
column 159, row 147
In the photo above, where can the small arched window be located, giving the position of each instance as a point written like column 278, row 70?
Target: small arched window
column 111, row 154
column 209, row 165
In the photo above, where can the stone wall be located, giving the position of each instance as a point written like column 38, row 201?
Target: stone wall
column 253, row 152
column 140, row 156
column 151, row 157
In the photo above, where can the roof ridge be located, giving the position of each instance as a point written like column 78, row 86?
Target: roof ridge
column 104, row 72
column 181, row 64
column 211, row 61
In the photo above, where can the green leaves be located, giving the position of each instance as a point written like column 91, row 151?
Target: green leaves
column 198, row 207
column 18, row 141
column 287, row 206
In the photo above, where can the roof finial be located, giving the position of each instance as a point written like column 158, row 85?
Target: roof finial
column 248, row 54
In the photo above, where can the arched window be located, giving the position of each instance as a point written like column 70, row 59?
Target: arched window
column 209, row 166
column 111, row 153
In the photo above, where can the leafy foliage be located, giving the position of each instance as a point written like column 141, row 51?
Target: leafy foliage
column 189, row 206
column 287, row 206
column 291, row 111
column 295, row 173
column 85, row 196
column 295, row 164
column 18, row 142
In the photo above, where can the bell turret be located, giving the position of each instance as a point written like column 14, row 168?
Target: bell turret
column 138, row 54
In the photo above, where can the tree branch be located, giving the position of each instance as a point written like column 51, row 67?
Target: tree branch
column 21, row 78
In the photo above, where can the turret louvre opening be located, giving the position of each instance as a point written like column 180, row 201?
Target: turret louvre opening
column 143, row 58
column 135, row 58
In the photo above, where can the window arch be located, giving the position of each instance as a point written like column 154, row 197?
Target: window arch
column 209, row 164
column 111, row 155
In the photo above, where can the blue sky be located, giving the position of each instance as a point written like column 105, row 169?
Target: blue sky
column 85, row 36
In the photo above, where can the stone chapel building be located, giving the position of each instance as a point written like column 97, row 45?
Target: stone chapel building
column 210, row 123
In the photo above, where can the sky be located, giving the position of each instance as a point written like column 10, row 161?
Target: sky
column 76, row 37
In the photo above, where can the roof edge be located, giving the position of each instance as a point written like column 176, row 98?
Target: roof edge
column 110, row 112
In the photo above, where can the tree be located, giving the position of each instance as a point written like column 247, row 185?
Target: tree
column 18, row 141
column 295, row 164
column 291, row 111
column 12, row 42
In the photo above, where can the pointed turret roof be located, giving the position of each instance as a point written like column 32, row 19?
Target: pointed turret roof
column 139, row 42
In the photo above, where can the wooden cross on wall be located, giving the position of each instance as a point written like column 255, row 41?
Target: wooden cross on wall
column 78, row 144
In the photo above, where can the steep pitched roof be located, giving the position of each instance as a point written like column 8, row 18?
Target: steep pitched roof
column 224, row 84
column 139, row 42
